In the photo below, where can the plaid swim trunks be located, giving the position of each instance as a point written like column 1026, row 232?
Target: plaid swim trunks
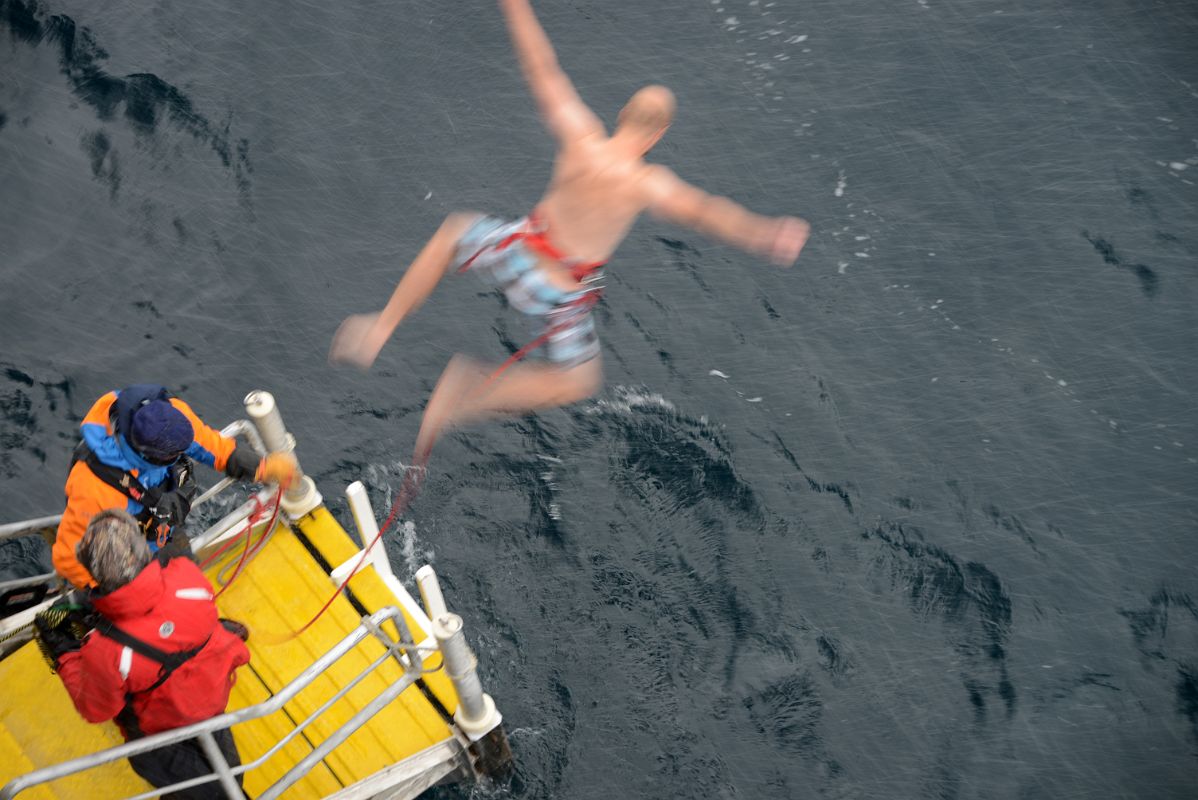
column 560, row 316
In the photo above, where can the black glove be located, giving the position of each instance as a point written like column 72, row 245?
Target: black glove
column 182, row 478
column 54, row 635
column 171, row 509
column 242, row 464
column 177, row 546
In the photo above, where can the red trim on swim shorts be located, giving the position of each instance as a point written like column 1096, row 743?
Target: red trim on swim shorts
column 535, row 236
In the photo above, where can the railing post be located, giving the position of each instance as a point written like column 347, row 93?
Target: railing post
column 302, row 497
column 430, row 592
column 220, row 765
column 368, row 527
column 476, row 714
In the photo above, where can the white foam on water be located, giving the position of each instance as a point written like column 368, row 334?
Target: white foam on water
column 626, row 400
column 413, row 558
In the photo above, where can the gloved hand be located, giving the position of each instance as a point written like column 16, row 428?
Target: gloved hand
column 172, row 509
column 182, row 478
column 242, row 464
column 178, row 546
column 278, row 468
column 54, row 639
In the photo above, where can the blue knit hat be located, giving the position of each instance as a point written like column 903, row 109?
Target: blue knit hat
column 160, row 432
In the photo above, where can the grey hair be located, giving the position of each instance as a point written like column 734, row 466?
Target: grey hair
column 113, row 549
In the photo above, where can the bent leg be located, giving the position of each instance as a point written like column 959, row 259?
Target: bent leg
column 469, row 391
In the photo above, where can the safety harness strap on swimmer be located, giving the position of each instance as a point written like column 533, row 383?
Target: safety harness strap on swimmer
column 535, row 235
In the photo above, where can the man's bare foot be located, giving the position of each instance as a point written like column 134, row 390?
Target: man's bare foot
column 462, row 378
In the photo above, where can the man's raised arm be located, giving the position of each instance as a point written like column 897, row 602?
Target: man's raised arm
column 777, row 238
column 566, row 116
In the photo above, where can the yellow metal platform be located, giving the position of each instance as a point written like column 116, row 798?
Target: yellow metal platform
column 282, row 586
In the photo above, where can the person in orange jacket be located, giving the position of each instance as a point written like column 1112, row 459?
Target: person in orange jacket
column 136, row 454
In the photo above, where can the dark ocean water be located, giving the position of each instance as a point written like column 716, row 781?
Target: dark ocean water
column 914, row 519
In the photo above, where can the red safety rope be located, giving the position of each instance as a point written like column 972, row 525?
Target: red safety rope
column 251, row 547
column 413, row 478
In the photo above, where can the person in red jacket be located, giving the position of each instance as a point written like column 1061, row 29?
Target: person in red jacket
column 137, row 448
column 158, row 656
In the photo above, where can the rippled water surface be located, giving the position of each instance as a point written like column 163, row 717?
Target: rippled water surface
column 913, row 519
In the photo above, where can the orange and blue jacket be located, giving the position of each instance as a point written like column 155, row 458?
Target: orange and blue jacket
column 87, row 495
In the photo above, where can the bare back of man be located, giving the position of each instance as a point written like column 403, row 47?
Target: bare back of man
column 599, row 186
column 595, row 195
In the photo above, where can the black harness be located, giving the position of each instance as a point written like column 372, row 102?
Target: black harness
column 125, row 482
column 168, row 663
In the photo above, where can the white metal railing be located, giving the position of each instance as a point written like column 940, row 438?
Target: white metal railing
column 403, row 650
column 11, row 529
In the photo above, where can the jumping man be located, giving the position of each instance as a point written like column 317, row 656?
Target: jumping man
column 545, row 264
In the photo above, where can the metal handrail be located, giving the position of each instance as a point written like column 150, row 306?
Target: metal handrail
column 32, row 580
column 401, row 650
column 10, row 530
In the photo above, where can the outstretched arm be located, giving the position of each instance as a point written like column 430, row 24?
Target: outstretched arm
column 361, row 337
column 777, row 238
column 566, row 116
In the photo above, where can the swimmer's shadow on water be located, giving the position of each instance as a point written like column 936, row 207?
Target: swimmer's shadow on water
column 671, row 561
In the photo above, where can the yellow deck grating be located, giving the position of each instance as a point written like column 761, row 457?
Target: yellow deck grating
column 281, row 588
column 39, row 726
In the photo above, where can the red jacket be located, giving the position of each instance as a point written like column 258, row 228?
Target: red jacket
column 171, row 608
